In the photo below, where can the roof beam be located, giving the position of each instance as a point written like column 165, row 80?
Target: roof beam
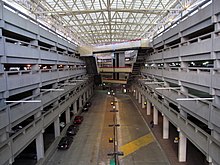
column 79, row 12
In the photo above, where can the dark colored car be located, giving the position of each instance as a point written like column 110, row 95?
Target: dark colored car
column 85, row 108
column 78, row 119
column 65, row 143
column 72, row 130
column 88, row 104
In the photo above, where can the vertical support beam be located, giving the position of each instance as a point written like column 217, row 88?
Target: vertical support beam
column 165, row 127
column 155, row 116
column 139, row 98
column 67, row 113
column 57, row 127
column 136, row 95
column 75, row 107
column 80, row 101
column 84, row 97
column 121, row 64
column 215, row 134
column 3, row 136
column 40, row 146
column 148, row 107
column 87, row 94
column 91, row 91
column 182, row 147
column 143, row 101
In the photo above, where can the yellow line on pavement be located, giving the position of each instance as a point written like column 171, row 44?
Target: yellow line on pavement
column 136, row 144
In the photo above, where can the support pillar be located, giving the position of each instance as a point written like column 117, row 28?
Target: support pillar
column 80, row 101
column 67, row 113
column 139, row 98
column 143, row 101
column 155, row 116
column 92, row 91
column 40, row 146
column 3, row 137
column 57, row 127
column 136, row 95
column 215, row 134
column 87, row 94
column 75, row 107
column 182, row 147
column 165, row 127
column 84, row 97
column 148, row 107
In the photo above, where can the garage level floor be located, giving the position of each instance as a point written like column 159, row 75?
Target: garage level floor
column 91, row 144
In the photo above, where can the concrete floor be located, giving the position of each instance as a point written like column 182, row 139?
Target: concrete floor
column 91, row 146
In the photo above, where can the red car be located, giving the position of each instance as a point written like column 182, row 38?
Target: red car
column 78, row 120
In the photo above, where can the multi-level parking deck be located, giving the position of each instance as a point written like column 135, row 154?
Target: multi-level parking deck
column 42, row 82
column 186, row 59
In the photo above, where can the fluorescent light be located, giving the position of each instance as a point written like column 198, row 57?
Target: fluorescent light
column 80, row 80
column 24, row 101
column 192, row 99
column 164, row 88
column 154, row 82
column 52, row 90
column 145, row 79
column 69, row 84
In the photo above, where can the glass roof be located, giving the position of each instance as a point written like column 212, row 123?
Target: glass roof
column 100, row 22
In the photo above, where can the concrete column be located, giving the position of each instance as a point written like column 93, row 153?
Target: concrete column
column 215, row 134
column 155, row 116
column 38, row 114
column 40, row 146
column 143, row 101
column 148, row 107
column 80, row 101
column 67, row 113
column 84, row 97
column 121, row 57
column 3, row 137
column 75, row 107
column 139, row 97
column 57, row 127
column 35, row 67
column 165, row 127
column 182, row 147
column 136, row 95
column 183, row 113
column 92, row 91
column 87, row 94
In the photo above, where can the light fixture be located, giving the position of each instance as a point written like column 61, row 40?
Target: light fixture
column 58, row 90
column 193, row 99
column 69, row 84
column 167, row 88
column 24, row 101
column 154, row 83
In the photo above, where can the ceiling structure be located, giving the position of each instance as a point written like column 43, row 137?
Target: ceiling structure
column 98, row 22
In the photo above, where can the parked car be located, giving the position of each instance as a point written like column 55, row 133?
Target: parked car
column 85, row 108
column 65, row 143
column 88, row 104
column 72, row 130
column 78, row 120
